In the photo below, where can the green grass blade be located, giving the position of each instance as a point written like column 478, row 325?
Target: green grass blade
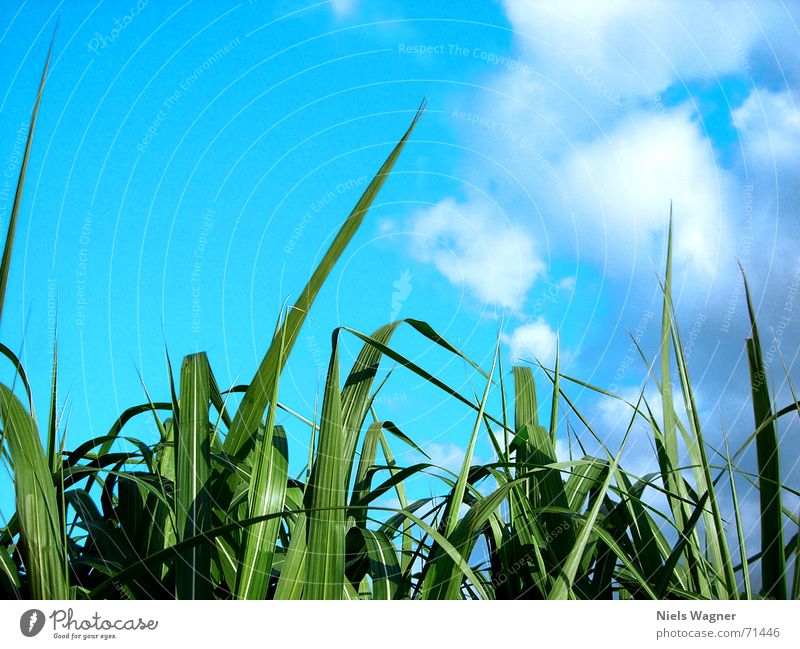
column 457, row 496
column 53, row 458
column 324, row 571
column 554, row 403
column 748, row 591
column 192, row 474
column 565, row 581
column 5, row 264
column 384, row 568
column 41, row 533
column 267, row 494
column 254, row 404
column 668, row 570
column 716, row 539
column 773, row 561
column 5, row 351
column 536, row 448
column 366, row 462
column 290, row 582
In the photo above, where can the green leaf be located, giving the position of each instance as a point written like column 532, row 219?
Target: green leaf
column 324, row 570
column 192, row 475
column 267, row 492
column 5, row 264
column 254, row 404
column 41, row 533
column 773, row 561
column 384, row 567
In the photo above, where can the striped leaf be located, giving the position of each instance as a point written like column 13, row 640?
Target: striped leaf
column 192, row 474
column 41, row 533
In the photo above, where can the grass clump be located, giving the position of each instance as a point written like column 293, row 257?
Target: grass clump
column 210, row 510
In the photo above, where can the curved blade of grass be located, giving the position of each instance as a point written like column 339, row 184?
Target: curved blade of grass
column 356, row 398
column 254, row 404
column 716, row 539
column 416, row 369
column 37, row 503
column 443, row 580
column 554, row 403
column 566, row 578
column 457, row 495
column 10, row 583
column 10, row 355
column 384, row 567
column 669, row 565
column 366, row 462
column 5, row 264
column 267, row 493
column 535, row 447
column 290, row 582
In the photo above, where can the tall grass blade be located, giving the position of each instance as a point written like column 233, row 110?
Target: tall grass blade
column 254, row 404
column 773, row 561
column 324, row 570
column 192, row 474
column 37, row 502
column 5, row 264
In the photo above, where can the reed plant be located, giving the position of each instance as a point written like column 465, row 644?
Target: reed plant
column 211, row 510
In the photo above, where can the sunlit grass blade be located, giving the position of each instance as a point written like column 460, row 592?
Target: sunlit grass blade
column 267, row 493
column 254, row 404
column 384, row 568
column 192, row 474
column 563, row 587
column 290, row 582
column 324, row 570
column 366, row 462
column 716, row 539
column 536, row 448
column 457, row 495
column 37, row 503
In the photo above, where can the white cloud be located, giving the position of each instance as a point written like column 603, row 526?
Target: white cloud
column 769, row 128
column 533, row 341
column 622, row 185
column 448, row 456
column 476, row 249
column 635, row 48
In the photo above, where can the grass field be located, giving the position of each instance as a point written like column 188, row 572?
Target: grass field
column 211, row 511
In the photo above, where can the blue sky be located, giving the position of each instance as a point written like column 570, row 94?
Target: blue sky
column 193, row 161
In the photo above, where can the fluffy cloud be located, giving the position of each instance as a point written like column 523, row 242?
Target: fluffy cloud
column 533, row 341
column 474, row 248
column 636, row 48
column 769, row 128
column 622, row 185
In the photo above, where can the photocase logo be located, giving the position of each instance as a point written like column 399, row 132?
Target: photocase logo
column 31, row 622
